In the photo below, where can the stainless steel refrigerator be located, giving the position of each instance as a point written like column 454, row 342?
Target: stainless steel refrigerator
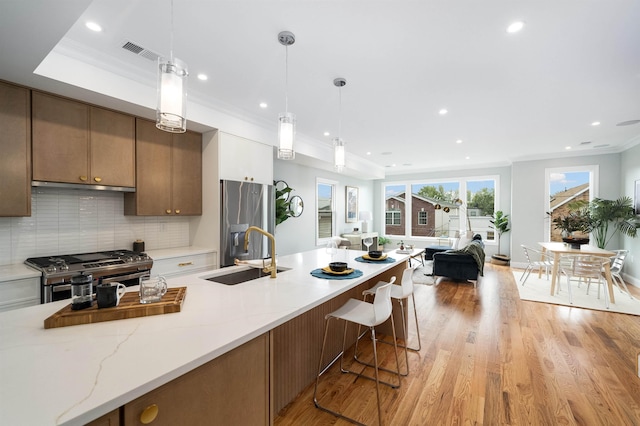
column 245, row 204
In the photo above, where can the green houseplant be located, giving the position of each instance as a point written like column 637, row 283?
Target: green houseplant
column 382, row 241
column 500, row 223
column 610, row 217
column 283, row 210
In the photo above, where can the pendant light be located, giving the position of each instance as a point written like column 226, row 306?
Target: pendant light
column 171, row 111
column 286, row 120
column 338, row 143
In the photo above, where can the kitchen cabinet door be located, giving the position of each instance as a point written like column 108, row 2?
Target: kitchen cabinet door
column 186, row 160
column 113, row 148
column 153, row 172
column 232, row 389
column 15, row 146
column 60, row 139
column 241, row 159
column 168, row 173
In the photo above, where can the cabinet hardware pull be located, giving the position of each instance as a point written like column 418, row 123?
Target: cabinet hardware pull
column 246, row 178
column 168, row 211
column 83, row 178
column 181, row 264
column 178, row 211
column 149, row 414
column 97, row 179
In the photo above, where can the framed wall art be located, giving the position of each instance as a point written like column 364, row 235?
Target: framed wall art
column 351, row 204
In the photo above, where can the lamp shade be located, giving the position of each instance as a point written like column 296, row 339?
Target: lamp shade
column 338, row 154
column 286, row 135
column 365, row 215
column 172, row 95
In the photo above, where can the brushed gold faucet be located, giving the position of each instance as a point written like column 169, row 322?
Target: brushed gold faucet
column 272, row 267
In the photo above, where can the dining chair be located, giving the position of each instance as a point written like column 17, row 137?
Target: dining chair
column 617, row 262
column 399, row 293
column 368, row 315
column 545, row 261
column 585, row 267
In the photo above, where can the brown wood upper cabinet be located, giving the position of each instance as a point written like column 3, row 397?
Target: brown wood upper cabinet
column 169, row 173
column 15, row 146
column 78, row 143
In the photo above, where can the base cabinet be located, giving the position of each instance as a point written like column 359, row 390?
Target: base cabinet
column 232, row 389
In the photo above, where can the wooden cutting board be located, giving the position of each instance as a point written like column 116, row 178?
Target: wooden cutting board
column 129, row 307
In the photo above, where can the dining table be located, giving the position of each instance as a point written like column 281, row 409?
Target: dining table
column 558, row 249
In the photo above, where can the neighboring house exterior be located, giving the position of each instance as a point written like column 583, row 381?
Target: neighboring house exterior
column 426, row 219
column 558, row 205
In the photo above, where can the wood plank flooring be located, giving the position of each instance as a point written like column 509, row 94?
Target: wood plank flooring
column 489, row 358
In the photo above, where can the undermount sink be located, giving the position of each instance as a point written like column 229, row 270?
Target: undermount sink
column 245, row 275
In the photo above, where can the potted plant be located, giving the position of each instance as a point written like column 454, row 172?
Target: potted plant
column 382, row 241
column 609, row 217
column 500, row 223
column 401, row 244
column 576, row 224
column 283, row 210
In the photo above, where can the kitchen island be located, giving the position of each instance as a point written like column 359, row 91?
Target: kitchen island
column 73, row 375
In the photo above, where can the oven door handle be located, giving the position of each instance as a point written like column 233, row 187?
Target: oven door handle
column 60, row 287
column 119, row 278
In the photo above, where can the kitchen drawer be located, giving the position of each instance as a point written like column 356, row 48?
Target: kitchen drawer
column 19, row 293
column 182, row 265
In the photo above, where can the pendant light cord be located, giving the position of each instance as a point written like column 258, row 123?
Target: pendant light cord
column 286, row 79
column 171, row 36
column 339, row 111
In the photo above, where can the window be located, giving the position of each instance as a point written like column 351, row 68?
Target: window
column 423, row 218
column 392, row 218
column 441, row 208
column 565, row 186
column 325, row 210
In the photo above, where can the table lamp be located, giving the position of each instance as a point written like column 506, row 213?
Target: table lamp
column 365, row 217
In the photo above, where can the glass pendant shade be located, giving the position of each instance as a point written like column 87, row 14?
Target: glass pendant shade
column 338, row 154
column 171, row 110
column 286, row 135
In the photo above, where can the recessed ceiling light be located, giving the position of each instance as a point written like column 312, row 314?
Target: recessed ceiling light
column 595, row 123
column 443, row 111
column 202, row 77
column 567, row 148
column 368, row 152
column 467, row 158
column 93, row 26
column 263, row 105
column 327, row 134
column 515, row 27
column 459, row 141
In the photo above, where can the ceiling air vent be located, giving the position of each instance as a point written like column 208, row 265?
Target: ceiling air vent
column 140, row 51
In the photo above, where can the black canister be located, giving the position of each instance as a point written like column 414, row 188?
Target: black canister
column 81, row 291
column 138, row 246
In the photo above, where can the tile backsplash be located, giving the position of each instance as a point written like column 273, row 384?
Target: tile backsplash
column 67, row 221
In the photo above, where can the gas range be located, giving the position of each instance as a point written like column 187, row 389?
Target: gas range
column 123, row 266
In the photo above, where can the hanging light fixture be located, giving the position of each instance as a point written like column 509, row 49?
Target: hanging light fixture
column 286, row 120
column 171, row 111
column 338, row 144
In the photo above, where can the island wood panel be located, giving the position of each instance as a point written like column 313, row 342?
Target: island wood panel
column 15, row 146
column 232, row 389
column 296, row 344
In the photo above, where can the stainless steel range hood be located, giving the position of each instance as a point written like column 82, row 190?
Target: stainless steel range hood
column 81, row 186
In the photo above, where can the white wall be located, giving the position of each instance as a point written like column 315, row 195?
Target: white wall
column 69, row 221
column 630, row 173
column 297, row 234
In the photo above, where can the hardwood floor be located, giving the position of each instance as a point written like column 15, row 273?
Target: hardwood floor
column 489, row 358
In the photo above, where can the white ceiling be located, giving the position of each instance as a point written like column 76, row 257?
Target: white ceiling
column 509, row 96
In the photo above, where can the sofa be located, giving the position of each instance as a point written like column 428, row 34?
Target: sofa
column 462, row 264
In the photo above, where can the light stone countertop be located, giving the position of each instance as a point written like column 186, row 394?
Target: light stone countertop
column 72, row 375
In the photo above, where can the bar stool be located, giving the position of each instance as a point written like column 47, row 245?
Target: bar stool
column 367, row 315
column 399, row 293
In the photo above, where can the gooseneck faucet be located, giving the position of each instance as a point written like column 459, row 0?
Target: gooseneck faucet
column 272, row 267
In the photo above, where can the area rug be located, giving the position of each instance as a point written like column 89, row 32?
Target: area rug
column 422, row 274
column 538, row 290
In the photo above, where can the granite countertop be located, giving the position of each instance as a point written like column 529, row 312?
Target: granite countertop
column 78, row 373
